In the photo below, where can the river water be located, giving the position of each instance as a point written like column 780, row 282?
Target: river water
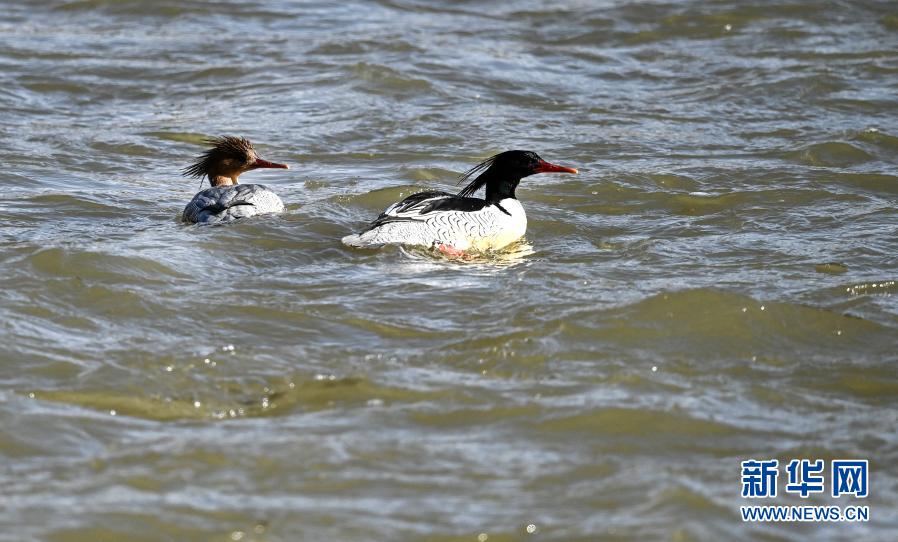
column 719, row 283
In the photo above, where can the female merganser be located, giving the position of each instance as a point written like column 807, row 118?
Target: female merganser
column 455, row 223
column 226, row 200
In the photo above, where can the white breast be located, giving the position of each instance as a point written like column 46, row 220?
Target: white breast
column 502, row 229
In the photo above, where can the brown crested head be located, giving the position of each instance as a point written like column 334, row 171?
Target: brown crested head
column 226, row 159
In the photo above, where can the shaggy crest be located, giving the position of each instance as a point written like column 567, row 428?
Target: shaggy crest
column 479, row 181
column 223, row 148
column 519, row 163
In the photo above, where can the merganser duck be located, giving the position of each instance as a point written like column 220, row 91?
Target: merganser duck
column 227, row 158
column 456, row 223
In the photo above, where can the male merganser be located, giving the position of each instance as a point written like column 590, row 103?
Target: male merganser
column 226, row 200
column 455, row 223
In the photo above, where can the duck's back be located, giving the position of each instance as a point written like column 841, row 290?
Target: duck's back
column 226, row 203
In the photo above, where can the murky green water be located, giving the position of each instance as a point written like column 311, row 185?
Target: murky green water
column 718, row 283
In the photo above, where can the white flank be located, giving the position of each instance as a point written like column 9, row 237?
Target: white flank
column 485, row 229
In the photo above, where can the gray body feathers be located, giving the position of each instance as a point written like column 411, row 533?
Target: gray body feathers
column 226, row 203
